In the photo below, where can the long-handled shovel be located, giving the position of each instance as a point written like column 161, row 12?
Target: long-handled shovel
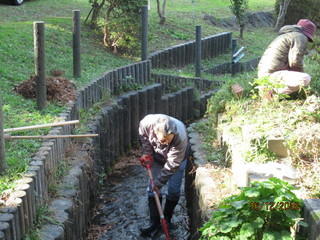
column 163, row 220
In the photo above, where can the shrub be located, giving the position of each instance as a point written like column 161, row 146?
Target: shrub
column 120, row 23
column 301, row 9
column 265, row 210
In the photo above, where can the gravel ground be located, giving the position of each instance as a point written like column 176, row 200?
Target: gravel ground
column 122, row 207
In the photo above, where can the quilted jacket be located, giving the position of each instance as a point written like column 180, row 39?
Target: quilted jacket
column 286, row 52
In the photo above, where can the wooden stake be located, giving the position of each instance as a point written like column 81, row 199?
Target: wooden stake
column 41, row 126
column 9, row 137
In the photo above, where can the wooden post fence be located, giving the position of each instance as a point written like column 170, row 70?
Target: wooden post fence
column 144, row 40
column 39, row 58
column 76, row 44
column 198, row 51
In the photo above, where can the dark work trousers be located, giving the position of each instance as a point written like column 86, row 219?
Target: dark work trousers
column 174, row 183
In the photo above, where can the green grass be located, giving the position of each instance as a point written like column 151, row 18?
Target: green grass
column 17, row 65
column 217, row 8
column 17, row 56
column 183, row 17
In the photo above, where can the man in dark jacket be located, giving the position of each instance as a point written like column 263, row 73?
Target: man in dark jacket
column 282, row 61
column 164, row 140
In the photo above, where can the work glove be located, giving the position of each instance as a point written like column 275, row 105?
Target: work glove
column 146, row 160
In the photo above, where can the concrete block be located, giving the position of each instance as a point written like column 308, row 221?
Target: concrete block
column 276, row 146
column 312, row 216
column 51, row 232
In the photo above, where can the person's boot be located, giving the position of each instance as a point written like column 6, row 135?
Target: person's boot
column 168, row 211
column 154, row 223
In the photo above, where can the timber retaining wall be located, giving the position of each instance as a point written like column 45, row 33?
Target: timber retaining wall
column 184, row 54
column 117, row 128
column 72, row 208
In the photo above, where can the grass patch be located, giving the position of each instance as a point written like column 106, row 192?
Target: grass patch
column 17, row 65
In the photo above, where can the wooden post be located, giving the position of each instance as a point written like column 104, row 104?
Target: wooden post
column 39, row 58
column 3, row 164
column 76, row 44
column 144, row 40
column 198, row 51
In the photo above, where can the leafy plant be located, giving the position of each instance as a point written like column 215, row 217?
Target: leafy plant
column 217, row 103
column 259, row 152
column 265, row 210
column 264, row 88
column 119, row 21
column 298, row 9
column 240, row 8
column 127, row 87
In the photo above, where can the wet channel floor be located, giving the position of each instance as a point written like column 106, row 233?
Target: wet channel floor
column 122, row 207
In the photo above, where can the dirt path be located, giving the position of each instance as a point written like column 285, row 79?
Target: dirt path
column 122, row 207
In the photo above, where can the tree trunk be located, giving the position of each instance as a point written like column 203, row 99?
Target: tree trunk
column 161, row 12
column 241, row 31
column 96, row 8
column 283, row 5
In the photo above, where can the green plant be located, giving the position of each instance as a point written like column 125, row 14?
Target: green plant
column 62, row 170
column 240, row 8
column 43, row 216
column 265, row 210
column 129, row 86
column 214, row 152
column 300, row 9
column 258, row 152
column 217, row 103
column 119, row 21
column 90, row 114
column 264, row 88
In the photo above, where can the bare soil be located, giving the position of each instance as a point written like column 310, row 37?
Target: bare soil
column 58, row 88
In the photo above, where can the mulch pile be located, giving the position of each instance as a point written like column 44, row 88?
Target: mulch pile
column 58, row 88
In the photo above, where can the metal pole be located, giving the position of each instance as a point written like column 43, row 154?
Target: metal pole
column 144, row 35
column 76, row 44
column 233, row 50
column 198, row 51
column 233, row 47
column 39, row 58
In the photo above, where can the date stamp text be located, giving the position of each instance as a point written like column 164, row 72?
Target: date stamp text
column 281, row 206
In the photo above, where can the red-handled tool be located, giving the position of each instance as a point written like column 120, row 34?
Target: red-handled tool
column 156, row 197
